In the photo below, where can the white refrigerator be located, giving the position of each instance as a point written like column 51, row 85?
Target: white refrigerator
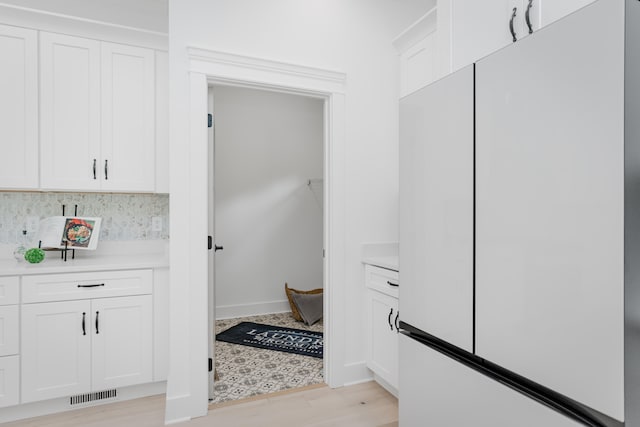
column 520, row 232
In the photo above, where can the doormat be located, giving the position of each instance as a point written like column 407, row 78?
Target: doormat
column 289, row 340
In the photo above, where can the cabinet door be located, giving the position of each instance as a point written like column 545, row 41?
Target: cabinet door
column 9, row 381
column 383, row 337
column 18, row 108
column 122, row 337
column 69, row 112
column 436, row 209
column 56, row 350
column 469, row 29
column 128, row 107
column 552, row 10
column 436, row 390
column 162, row 122
column 9, row 330
column 418, row 65
column 550, row 207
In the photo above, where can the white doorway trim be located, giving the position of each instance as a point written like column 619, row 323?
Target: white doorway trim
column 210, row 67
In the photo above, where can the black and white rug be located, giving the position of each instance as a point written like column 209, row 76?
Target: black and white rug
column 249, row 371
column 288, row 340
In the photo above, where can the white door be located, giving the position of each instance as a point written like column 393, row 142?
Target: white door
column 56, row 350
column 383, row 336
column 436, row 208
column 128, row 109
column 122, row 341
column 18, row 108
column 69, row 112
column 436, row 390
column 211, row 256
column 550, row 207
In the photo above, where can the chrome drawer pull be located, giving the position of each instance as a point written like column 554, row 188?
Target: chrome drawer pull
column 91, row 286
column 395, row 285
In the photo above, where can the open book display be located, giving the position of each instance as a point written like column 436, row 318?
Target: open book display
column 76, row 232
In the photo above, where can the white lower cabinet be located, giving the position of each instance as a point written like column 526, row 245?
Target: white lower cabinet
column 75, row 347
column 382, row 324
column 122, row 342
column 439, row 391
column 9, row 342
column 56, row 349
column 9, row 381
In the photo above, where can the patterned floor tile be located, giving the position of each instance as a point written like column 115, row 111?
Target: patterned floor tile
column 248, row 371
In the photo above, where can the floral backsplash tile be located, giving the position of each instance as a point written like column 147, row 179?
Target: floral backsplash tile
column 124, row 216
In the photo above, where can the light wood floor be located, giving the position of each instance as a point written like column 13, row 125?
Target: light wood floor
column 362, row 405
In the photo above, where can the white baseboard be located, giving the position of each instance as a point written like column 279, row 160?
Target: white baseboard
column 253, row 309
column 176, row 408
column 61, row 404
column 391, row 389
column 356, row 373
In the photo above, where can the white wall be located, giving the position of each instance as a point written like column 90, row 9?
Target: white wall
column 353, row 37
column 267, row 146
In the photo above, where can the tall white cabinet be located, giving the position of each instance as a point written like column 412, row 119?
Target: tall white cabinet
column 18, row 108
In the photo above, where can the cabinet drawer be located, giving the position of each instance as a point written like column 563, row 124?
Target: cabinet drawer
column 73, row 286
column 8, row 330
column 9, row 381
column 382, row 280
column 9, row 290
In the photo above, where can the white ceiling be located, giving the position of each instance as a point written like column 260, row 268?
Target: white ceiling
column 146, row 14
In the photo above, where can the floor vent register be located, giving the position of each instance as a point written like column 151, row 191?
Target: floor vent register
column 91, row 397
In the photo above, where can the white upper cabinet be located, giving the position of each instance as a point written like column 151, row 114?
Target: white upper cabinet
column 469, row 30
column 162, row 122
column 69, row 112
column 417, row 48
column 552, row 10
column 18, row 108
column 97, row 115
column 128, row 106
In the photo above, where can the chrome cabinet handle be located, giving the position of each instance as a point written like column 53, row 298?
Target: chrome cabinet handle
column 395, row 285
column 513, row 32
column 389, row 319
column 97, row 322
column 527, row 17
column 106, row 170
column 84, row 329
column 94, row 168
column 396, row 321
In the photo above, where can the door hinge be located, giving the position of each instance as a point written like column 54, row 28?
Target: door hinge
column 210, row 364
column 209, row 120
column 209, row 242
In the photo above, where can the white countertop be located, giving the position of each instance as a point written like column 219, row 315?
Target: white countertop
column 388, row 262
column 111, row 256
column 53, row 264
